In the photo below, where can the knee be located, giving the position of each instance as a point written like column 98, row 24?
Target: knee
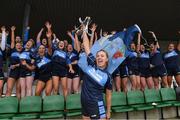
column 48, row 92
column 38, row 92
column 64, row 87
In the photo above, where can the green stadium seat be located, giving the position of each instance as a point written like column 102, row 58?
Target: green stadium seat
column 53, row 107
column 73, row 105
column 168, row 96
column 119, row 102
column 8, row 107
column 29, row 108
column 152, row 97
column 136, row 100
column 119, row 106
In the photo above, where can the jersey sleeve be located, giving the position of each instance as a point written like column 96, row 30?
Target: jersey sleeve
column 108, row 84
column 91, row 59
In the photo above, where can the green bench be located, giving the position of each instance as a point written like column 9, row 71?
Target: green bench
column 30, row 107
column 53, row 107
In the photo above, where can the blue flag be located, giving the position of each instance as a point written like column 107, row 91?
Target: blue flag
column 115, row 45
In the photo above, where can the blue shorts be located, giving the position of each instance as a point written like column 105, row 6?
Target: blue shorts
column 59, row 70
column 15, row 73
column 133, row 71
column 94, row 110
column 173, row 71
column 123, row 71
column 116, row 73
column 145, row 72
column 75, row 74
column 25, row 72
column 159, row 71
column 72, row 75
column 44, row 77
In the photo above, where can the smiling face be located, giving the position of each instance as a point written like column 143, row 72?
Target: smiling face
column 133, row 46
column 142, row 48
column 41, row 50
column 44, row 42
column 18, row 47
column 29, row 44
column 171, row 47
column 18, row 39
column 102, row 59
column 61, row 45
column 152, row 47
column 69, row 48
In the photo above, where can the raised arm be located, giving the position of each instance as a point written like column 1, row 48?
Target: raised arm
column 72, row 38
column 49, row 36
column 3, row 41
column 93, row 29
column 48, row 26
column 77, row 43
column 101, row 33
column 95, row 37
column 12, row 37
column 39, row 36
column 138, row 42
column 155, row 39
column 86, row 43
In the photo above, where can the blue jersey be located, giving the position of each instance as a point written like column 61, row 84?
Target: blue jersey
column 15, row 57
column 144, row 59
column 43, row 64
column 26, row 55
column 73, row 56
column 156, row 58
column 34, row 52
column 132, row 60
column 55, row 45
column 60, row 57
column 178, row 51
column 95, row 81
column 171, row 59
column 1, row 59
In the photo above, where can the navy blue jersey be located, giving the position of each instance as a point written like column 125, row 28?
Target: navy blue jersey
column 178, row 51
column 43, row 64
column 156, row 58
column 1, row 59
column 55, row 45
column 132, row 60
column 144, row 59
column 171, row 59
column 34, row 52
column 26, row 55
column 95, row 81
column 14, row 58
column 60, row 57
column 73, row 56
